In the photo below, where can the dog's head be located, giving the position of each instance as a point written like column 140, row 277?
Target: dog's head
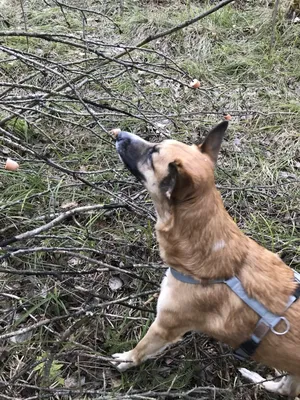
column 172, row 172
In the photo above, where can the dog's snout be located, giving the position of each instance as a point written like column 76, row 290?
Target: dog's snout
column 121, row 136
column 129, row 141
column 131, row 148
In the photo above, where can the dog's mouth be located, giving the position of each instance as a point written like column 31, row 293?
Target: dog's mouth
column 132, row 149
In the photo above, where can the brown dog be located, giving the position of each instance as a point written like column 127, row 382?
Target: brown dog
column 198, row 238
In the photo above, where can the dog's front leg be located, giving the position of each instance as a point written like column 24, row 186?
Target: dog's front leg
column 159, row 335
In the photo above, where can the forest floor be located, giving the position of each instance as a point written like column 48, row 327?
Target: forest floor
column 80, row 282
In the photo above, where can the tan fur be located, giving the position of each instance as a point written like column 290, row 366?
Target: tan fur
column 188, row 226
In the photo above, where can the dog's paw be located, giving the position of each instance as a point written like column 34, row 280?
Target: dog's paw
column 123, row 361
column 251, row 376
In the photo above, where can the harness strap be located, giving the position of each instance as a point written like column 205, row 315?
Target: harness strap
column 268, row 320
column 248, row 348
column 189, row 279
column 184, row 278
column 267, row 316
column 297, row 292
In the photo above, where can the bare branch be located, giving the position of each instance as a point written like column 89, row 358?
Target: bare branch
column 88, row 310
column 56, row 221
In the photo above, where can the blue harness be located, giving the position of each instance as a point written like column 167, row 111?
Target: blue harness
column 268, row 320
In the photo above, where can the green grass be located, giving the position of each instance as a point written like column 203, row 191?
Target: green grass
column 242, row 73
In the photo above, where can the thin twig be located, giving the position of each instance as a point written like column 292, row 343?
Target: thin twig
column 88, row 310
column 274, row 16
column 56, row 221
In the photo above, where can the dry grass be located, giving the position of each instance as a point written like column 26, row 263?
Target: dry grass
column 70, row 273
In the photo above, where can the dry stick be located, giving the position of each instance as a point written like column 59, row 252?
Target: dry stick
column 184, row 24
column 105, row 297
column 5, row 397
column 58, row 250
column 18, row 374
column 24, row 57
column 14, row 101
column 69, row 185
column 139, row 89
column 133, row 394
column 55, row 37
column 25, row 21
column 138, row 209
column 133, row 65
column 85, row 47
column 149, row 39
column 39, row 65
column 61, row 119
column 16, row 145
column 87, row 236
column 54, row 222
column 57, row 274
column 274, row 15
column 121, row 54
column 34, row 326
column 87, row 10
column 24, row 147
column 68, row 96
column 78, row 313
column 27, row 78
column 33, row 124
column 21, row 55
column 13, row 252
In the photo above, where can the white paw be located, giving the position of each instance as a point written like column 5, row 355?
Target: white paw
column 251, row 376
column 124, row 361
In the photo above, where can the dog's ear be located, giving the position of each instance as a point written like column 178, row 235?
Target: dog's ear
column 212, row 143
column 176, row 178
column 167, row 185
column 177, row 182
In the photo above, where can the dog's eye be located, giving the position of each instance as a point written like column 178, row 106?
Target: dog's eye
column 152, row 151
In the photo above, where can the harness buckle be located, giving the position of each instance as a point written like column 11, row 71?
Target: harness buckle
column 287, row 327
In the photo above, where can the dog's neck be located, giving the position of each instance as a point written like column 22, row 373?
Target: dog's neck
column 201, row 239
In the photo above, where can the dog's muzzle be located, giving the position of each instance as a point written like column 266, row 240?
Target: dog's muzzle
column 132, row 149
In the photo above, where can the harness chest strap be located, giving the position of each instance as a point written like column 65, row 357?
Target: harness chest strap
column 268, row 320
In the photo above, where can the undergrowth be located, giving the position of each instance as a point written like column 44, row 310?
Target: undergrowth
column 85, row 274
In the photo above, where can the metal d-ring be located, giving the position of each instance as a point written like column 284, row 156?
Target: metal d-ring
column 287, row 324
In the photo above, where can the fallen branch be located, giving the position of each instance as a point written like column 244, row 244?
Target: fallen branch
column 56, row 221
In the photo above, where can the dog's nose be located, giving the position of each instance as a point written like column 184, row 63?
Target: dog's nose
column 122, row 136
column 115, row 132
